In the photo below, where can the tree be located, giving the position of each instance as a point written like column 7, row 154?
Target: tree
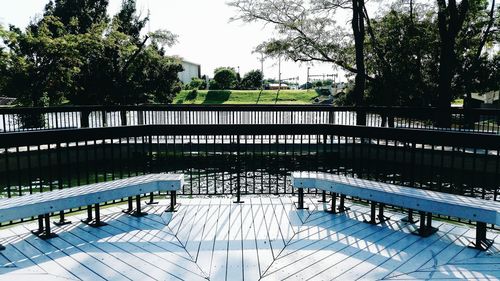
column 402, row 56
column 197, row 84
column 451, row 18
column 358, row 28
column 252, row 80
column 308, row 33
column 225, row 78
column 129, row 22
column 78, row 16
column 97, row 63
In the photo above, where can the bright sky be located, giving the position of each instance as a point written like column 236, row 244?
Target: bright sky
column 205, row 34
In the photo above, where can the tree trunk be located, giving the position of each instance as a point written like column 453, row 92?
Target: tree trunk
column 451, row 18
column 358, row 29
column 446, row 70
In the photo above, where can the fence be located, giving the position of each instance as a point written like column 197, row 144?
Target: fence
column 251, row 159
column 32, row 119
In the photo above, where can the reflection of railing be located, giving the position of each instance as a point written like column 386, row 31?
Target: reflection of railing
column 30, row 119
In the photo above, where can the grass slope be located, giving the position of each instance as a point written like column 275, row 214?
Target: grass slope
column 246, row 97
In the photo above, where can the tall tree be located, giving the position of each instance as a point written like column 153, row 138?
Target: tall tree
column 78, row 15
column 129, row 22
column 451, row 18
column 358, row 30
column 308, row 32
column 95, row 63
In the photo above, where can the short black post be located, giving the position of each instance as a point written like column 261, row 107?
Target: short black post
column 480, row 233
column 410, row 219
column 300, row 203
column 130, row 208
column 481, row 243
column 62, row 221
column 138, row 211
column 97, row 222
column 138, row 203
column 47, row 225
column 381, row 216
column 342, row 208
column 89, row 215
column 333, row 210
column 425, row 228
column 238, row 189
column 323, row 197
column 422, row 228
column 373, row 213
column 429, row 221
column 151, row 199
column 40, row 226
column 47, row 234
column 173, row 201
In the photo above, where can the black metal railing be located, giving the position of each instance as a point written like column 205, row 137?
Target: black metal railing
column 33, row 119
column 251, row 159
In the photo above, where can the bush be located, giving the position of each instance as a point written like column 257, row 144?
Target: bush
column 252, row 80
column 225, row 77
column 198, row 84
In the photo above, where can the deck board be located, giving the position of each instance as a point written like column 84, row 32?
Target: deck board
column 265, row 238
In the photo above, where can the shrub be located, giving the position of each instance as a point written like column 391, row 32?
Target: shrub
column 225, row 77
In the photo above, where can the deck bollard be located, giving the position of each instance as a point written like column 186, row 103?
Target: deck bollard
column 138, row 211
column 323, row 197
column 342, row 208
column 481, row 242
column 62, row 221
column 300, row 203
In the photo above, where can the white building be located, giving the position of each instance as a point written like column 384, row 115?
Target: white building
column 190, row 70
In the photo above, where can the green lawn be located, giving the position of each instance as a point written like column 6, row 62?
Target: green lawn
column 247, row 97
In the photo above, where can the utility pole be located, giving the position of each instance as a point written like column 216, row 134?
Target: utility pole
column 262, row 69
column 307, row 82
column 279, row 73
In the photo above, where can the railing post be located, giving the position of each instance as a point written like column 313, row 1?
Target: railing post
column 140, row 117
column 104, row 118
column 360, row 117
column 84, row 118
column 331, row 117
column 238, row 170
column 123, row 117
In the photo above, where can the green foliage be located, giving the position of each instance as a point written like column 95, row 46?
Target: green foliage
column 78, row 16
column 402, row 45
column 129, row 22
column 408, row 73
column 252, row 80
column 75, row 54
column 405, row 60
column 224, row 78
column 197, row 84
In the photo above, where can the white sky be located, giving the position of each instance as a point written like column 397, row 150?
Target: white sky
column 205, row 34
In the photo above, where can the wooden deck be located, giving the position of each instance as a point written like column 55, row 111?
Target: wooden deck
column 266, row 238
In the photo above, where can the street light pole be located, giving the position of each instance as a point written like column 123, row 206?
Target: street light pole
column 262, row 69
column 307, row 81
column 279, row 73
